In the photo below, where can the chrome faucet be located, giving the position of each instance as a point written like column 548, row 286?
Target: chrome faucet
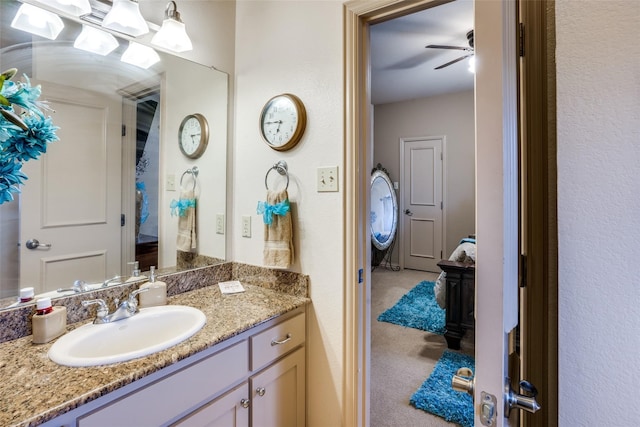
column 78, row 286
column 113, row 279
column 126, row 309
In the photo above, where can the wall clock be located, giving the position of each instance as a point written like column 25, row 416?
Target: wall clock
column 193, row 135
column 282, row 121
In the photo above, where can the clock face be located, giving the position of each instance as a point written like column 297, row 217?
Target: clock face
column 193, row 135
column 282, row 121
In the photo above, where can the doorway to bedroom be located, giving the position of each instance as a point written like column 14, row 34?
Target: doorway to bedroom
column 412, row 103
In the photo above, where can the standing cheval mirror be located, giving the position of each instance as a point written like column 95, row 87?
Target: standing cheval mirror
column 384, row 214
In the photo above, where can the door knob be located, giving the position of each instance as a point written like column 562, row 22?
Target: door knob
column 244, row 403
column 261, row 391
column 463, row 381
column 526, row 401
column 35, row 244
column 408, row 212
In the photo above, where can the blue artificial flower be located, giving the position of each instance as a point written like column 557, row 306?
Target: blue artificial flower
column 25, row 96
column 27, row 145
column 10, row 177
column 268, row 211
column 180, row 207
column 24, row 137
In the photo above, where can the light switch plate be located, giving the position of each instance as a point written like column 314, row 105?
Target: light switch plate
column 220, row 223
column 171, row 182
column 246, row 226
column 328, row 179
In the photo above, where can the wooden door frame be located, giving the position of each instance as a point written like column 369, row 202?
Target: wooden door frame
column 540, row 308
column 539, row 302
column 443, row 183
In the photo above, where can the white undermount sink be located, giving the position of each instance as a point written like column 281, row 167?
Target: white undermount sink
column 151, row 330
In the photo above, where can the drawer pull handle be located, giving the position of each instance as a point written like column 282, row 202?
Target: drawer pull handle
column 244, row 403
column 261, row 391
column 276, row 342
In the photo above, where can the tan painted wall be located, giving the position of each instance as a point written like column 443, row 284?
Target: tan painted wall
column 451, row 116
column 296, row 46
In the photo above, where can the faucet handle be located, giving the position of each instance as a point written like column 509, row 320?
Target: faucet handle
column 102, row 311
column 133, row 303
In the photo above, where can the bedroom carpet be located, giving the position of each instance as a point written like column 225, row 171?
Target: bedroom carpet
column 436, row 395
column 401, row 358
column 417, row 309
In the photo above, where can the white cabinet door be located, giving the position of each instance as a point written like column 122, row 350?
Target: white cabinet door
column 278, row 393
column 230, row 410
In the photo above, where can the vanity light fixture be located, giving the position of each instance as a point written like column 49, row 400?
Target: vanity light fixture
column 172, row 35
column 125, row 17
column 37, row 21
column 139, row 55
column 72, row 7
column 472, row 64
column 96, row 41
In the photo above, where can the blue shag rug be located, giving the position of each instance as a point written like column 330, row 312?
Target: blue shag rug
column 436, row 396
column 417, row 309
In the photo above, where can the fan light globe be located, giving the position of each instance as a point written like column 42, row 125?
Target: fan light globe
column 472, row 64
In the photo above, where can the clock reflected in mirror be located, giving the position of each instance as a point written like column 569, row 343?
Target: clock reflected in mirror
column 283, row 121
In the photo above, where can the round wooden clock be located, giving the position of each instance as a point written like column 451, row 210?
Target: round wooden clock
column 193, row 135
column 282, row 121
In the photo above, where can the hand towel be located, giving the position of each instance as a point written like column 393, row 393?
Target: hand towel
column 278, row 230
column 186, row 208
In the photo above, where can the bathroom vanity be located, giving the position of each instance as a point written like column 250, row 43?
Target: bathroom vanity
column 245, row 367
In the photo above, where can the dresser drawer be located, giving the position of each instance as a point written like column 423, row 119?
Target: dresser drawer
column 277, row 341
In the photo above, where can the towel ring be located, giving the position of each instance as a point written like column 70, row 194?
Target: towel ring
column 282, row 169
column 194, row 171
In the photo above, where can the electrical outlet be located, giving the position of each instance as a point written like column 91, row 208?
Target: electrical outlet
column 171, row 182
column 246, row 226
column 220, row 223
column 328, row 179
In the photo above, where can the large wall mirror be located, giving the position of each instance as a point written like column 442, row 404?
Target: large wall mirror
column 384, row 213
column 101, row 195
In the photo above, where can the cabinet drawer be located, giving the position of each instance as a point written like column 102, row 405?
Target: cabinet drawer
column 176, row 394
column 277, row 341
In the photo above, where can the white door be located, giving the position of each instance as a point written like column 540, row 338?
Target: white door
column 497, row 215
column 71, row 200
column 422, row 203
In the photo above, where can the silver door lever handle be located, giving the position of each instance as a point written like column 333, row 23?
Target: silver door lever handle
column 35, row 244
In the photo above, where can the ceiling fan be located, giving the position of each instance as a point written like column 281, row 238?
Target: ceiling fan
column 466, row 49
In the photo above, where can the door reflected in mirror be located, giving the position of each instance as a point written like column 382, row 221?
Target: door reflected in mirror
column 101, row 195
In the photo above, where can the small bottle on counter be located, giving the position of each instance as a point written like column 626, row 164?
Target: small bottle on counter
column 26, row 294
column 157, row 293
column 49, row 322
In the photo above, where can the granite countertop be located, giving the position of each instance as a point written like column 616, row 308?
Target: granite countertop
column 34, row 389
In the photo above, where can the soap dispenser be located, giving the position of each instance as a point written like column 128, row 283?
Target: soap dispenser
column 135, row 272
column 49, row 322
column 157, row 293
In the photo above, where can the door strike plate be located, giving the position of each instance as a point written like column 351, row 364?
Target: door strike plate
column 488, row 405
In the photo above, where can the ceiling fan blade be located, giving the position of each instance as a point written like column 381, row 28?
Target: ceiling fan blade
column 438, row 46
column 453, row 62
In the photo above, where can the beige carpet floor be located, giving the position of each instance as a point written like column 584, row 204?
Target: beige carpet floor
column 401, row 358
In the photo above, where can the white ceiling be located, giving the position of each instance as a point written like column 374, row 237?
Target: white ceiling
column 402, row 68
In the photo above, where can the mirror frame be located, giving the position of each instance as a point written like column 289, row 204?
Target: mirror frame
column 381, row 173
